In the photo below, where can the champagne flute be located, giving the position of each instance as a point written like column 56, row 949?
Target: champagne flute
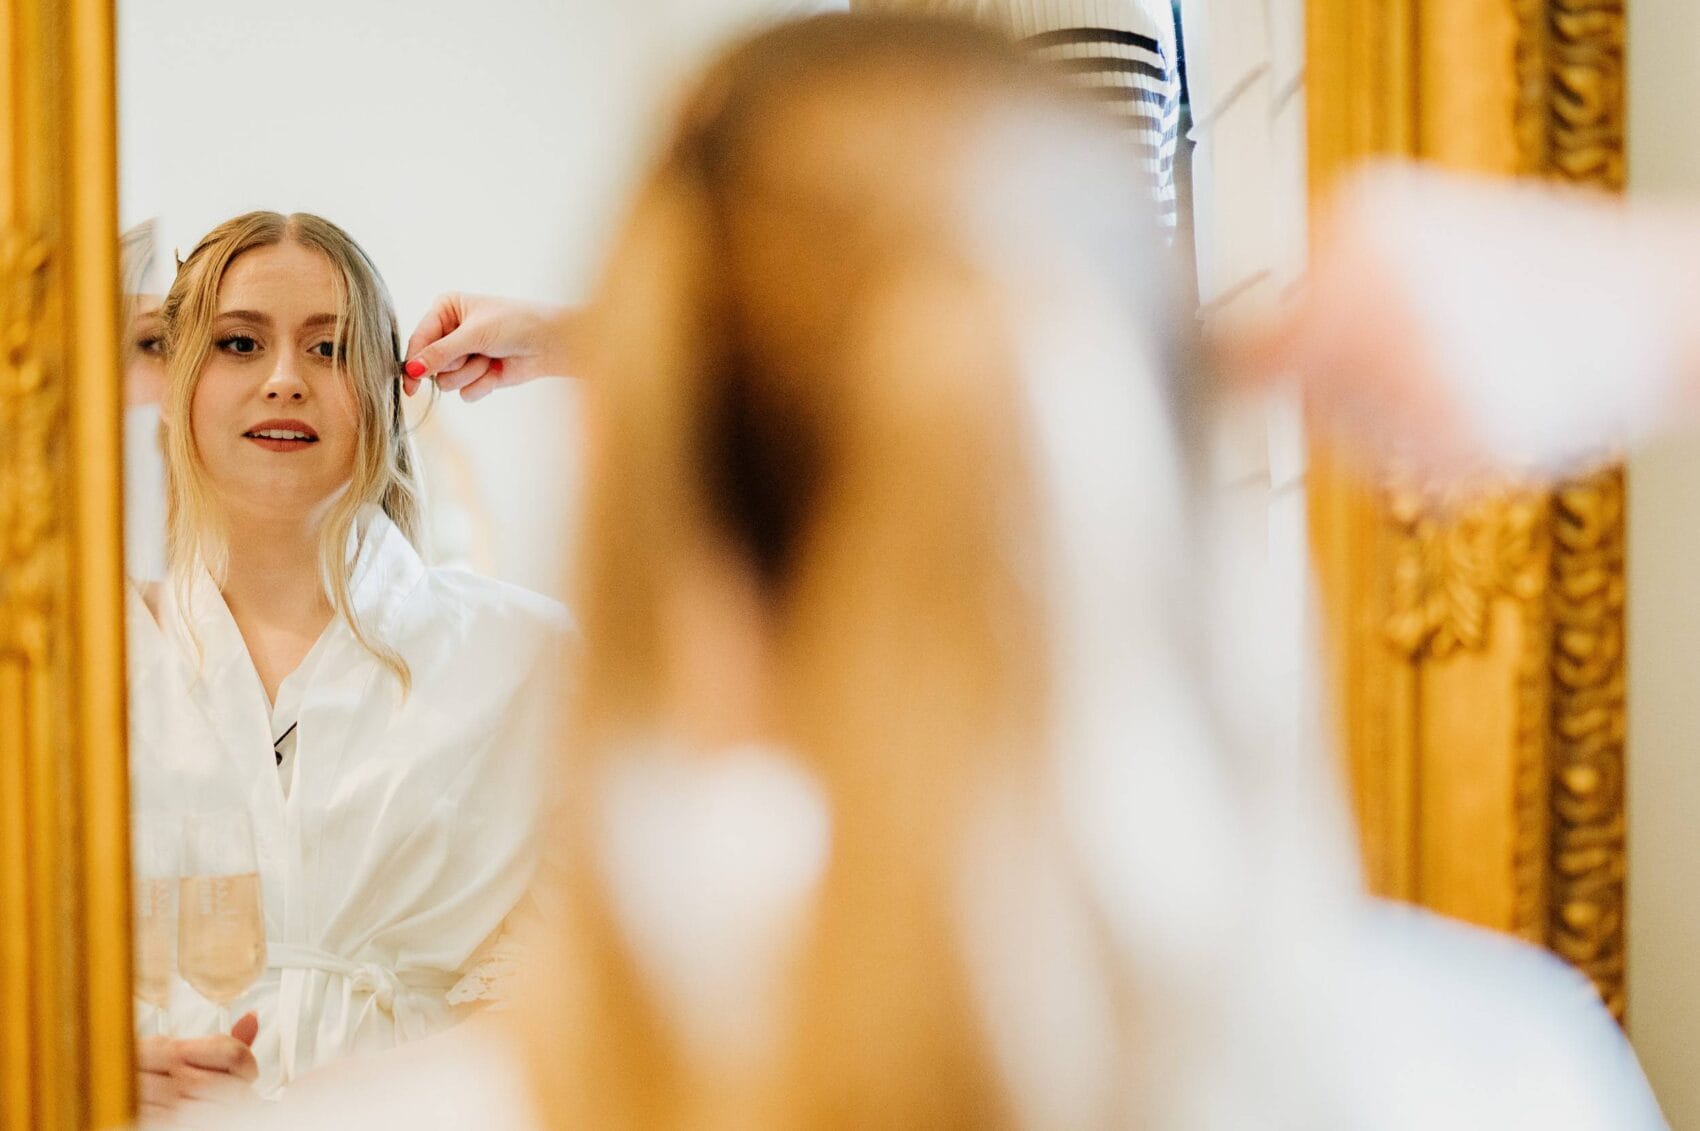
column 158, row 869
column 221, row 926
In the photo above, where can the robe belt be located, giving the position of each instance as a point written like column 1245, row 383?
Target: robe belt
column 388, row 988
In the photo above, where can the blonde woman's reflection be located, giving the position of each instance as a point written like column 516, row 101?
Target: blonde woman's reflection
column 144, row 389
column 900, row 798
column 144, row 355
column 380, row 721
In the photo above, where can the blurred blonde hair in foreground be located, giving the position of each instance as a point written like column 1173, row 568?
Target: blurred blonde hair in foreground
column 873, row 340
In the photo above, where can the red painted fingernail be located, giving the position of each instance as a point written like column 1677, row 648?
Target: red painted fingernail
column 416, row 368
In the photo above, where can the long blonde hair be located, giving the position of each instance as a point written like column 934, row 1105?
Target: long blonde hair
column 385, row 466
column 798, row 355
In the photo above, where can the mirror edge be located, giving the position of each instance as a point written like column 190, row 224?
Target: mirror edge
column 66, row 1055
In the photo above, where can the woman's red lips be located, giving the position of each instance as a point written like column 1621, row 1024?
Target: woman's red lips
column 282, row 435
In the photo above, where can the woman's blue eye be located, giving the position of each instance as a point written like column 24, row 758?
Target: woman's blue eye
column 327, row 350
column 239, row 344
column 154, row 344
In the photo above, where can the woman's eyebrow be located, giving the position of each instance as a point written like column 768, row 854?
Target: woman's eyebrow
column 246, row 316
column 313, row 322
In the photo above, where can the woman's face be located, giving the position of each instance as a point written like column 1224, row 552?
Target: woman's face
column 274, row 419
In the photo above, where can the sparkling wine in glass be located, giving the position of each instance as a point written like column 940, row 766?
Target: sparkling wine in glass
column 158, row 870
column 221, row 926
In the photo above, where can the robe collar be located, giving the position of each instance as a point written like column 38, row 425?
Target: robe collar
column 386, row 571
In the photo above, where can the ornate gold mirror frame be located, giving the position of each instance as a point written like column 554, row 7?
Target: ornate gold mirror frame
column 1477, row 655
column 1477, row 660
column 65, row 1006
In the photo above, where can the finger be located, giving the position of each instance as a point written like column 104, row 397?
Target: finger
column 241, row 1067
column 444, row 316
column 482, row 388
column 446, row 353
column 200, row 1084
column 156, row 1054
column 247, row 1027
column 153, row 1114
column 473, row 369
column 156, row 1116
column 156, row 1089
column 221, row 1054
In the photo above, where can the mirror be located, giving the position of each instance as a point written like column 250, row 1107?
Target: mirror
column 334, row 831
column 488, row 155
column 339, row 783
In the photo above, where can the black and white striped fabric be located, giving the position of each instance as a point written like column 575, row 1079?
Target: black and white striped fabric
column 1136, row 78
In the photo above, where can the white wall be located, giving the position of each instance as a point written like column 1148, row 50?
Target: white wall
column 467, row 146
column 1664, row 618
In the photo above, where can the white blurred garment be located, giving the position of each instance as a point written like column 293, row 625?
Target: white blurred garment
column 1458, row 1027
column 409, row 830
column 1448, row 1026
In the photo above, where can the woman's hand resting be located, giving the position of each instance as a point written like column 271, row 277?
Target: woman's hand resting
column 476, row 344
column 175, row 1070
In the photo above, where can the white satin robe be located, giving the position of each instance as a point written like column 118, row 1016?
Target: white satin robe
column 410, row 829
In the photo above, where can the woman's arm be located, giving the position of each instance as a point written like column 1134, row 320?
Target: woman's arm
column 476, row 344
column 1455, row 319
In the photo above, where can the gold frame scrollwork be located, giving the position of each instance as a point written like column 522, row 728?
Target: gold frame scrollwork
column 1477, row 649
column 1572, row 110
column 65, row 1005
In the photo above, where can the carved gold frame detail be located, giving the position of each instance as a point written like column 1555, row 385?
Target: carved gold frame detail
column 1477, row 646
column 65, row 1005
